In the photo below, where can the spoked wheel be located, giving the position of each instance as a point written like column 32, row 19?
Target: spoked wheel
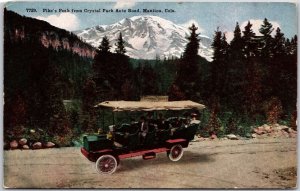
column 175, row 153
column 106, row 164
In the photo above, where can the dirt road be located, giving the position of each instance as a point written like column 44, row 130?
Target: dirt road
column 256, row 163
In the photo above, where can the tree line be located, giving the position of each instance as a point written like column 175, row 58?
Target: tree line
column 251, row 80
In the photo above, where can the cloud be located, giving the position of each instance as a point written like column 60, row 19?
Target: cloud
column 190, row 22
column 66, row 21
column 229, row 36
column 124, row 4
column 256, row 24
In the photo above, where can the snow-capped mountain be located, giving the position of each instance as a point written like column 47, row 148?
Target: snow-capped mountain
column 146, row 37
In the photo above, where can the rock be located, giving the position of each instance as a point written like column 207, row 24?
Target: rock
column 290, row 130
column 37, row 145
column 213, row 136
column 49, row 145
column 232, row 137
column 32, row 131
column 254, row 135
column 283, row 127
column 25, row 147
column 248, row 135
column 262, row 128
column 276, row 126
column 266, row 127
column 278, row 134
column 14, row 144
column 257, row 131
column 284, row 133
column 23, row 141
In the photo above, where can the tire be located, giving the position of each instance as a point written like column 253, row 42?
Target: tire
column 175, row 153
column 106, row 164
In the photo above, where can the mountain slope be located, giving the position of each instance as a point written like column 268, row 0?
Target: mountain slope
column 23, row 28
column 146, row 37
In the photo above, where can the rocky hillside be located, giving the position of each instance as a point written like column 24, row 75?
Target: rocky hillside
column 24, row 28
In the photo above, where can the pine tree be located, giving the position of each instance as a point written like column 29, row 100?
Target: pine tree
column 279, row 43
column 192, row 47
column 104, row 46
column 236, row 43
column 225, row 45
column 187, row 79
column 277, row 69
column 266, row 28
column 288, row 48
column 266, row 40
column 286, row 74
column 188, row 67
column 236, row 71
column 294, row 42
column 219, row 66
column 250, row 46
column 217, row 58
column 120, row 45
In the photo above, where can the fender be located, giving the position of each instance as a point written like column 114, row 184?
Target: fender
column 184, row 143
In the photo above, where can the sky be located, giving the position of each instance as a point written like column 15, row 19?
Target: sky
column 206, row 15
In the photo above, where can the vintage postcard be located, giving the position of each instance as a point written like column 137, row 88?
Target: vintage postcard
column 131, row 94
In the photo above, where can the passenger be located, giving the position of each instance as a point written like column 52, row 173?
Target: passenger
column 149, row 115
column 110, row 134
column 134, row 126
column 194, row 119
column 186, row 120
column 178, row 122
column 161, row 122
column 100, row 131
column 143, row 129
column 175, row 125
column 185, row 123
column 149, row 118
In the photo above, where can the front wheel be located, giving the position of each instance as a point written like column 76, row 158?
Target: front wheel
column 106, row 164
column 175, row 153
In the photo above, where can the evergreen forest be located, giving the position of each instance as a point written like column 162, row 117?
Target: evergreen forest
column 52, row 91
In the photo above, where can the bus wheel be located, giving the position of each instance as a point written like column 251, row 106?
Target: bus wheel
column 106, row 164
column 175, row 153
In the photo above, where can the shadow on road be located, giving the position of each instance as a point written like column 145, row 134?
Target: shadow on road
column 188, row 157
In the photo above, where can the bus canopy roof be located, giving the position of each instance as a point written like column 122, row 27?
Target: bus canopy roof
column 150, row 105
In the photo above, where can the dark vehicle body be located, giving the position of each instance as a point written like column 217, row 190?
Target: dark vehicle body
column 169, row 136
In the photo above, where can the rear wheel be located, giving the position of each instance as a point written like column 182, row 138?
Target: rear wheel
column 106, row 164
column 175, row 153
